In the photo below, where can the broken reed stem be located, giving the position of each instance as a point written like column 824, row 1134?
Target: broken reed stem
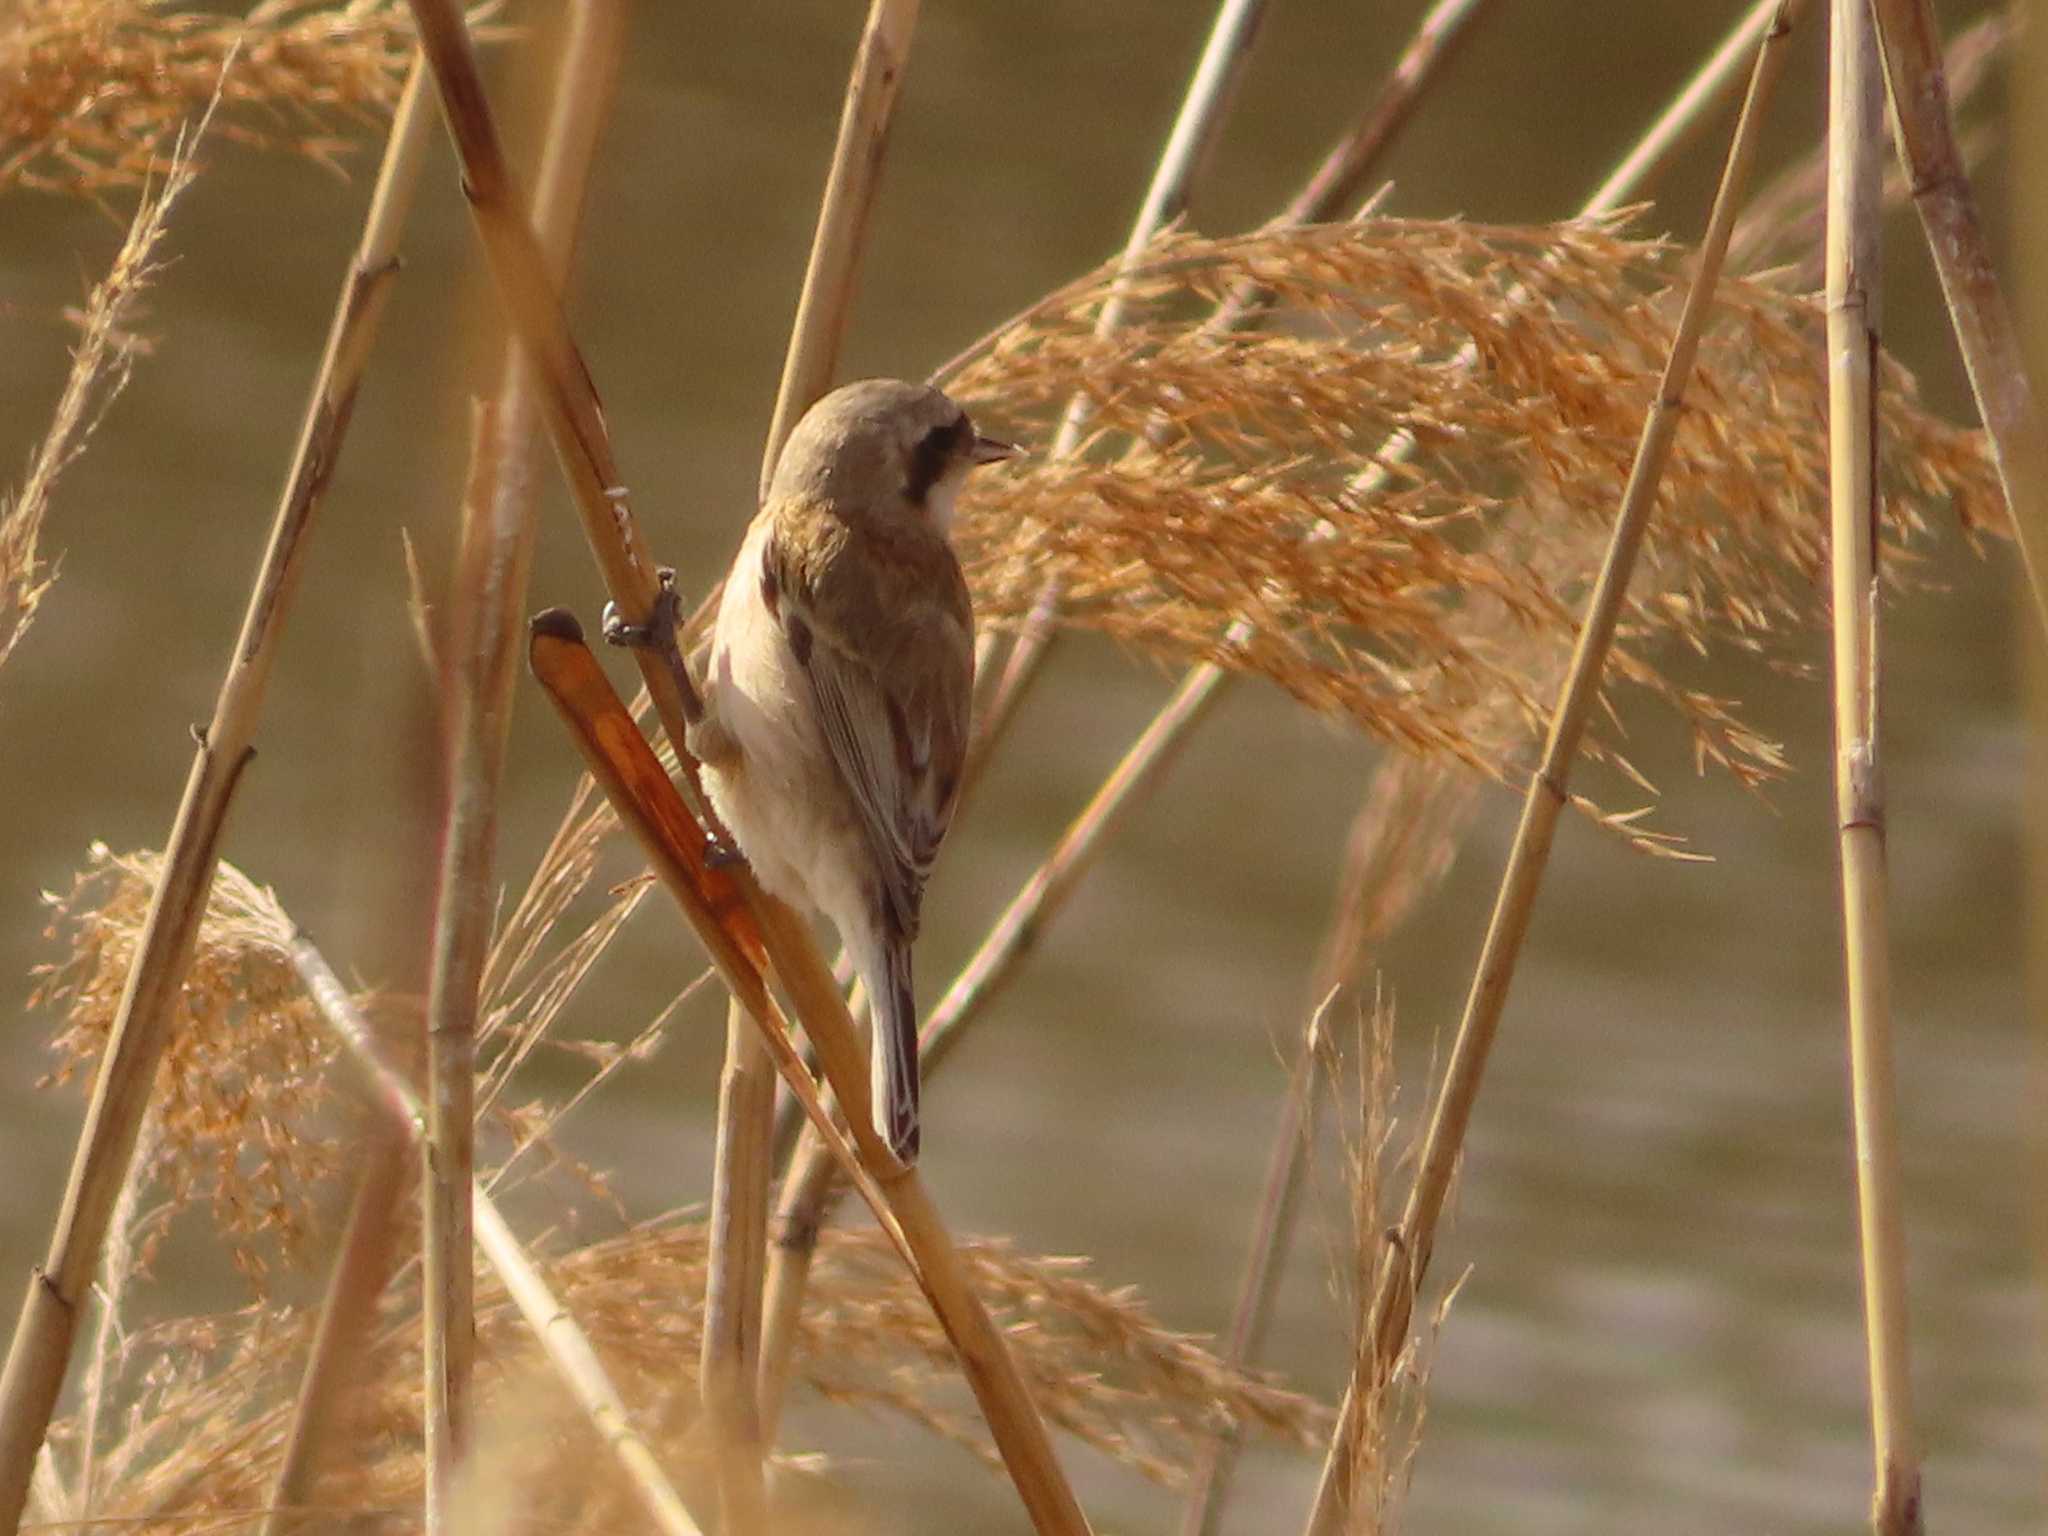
column 1195, row 130
column 1385, row 1333
column 347, row 1315
column 650, row 807
column 41, row 1348
column 729, row 911
column 1977, row 310
column 479, row 665
column 1855, row 213
column 827, row 300
column 567, row 1347
column 729, row 1359
column 583, row 448
column 1715, row 81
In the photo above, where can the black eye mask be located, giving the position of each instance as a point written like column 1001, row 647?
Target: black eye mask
column 929, row 460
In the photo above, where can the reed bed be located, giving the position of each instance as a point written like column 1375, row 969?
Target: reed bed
column 97, row 92
column 1373, row 465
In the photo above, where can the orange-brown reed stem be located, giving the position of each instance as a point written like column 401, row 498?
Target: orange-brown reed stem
column 737, row 921
column 1855, row 216
column 1384, row 1334
column 648, row 805
column 479, row 665
column 41, row 1349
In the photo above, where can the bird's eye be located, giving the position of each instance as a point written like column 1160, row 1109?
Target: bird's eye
column 933, row 454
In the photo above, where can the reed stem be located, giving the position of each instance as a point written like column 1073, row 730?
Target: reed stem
column 1855, row 212
column 743, row 1169
column 730, row 1357
column 561, row 1337
column 347, row 1314
column 1384, row 1337
column 1977, row 310
column 826, row 302
column 41, row 1348
column 1714, row 82
column 479, row 665
column 649, row 806
column 1195, row 131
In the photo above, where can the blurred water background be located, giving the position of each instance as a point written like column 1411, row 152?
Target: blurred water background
column 1662, row 1322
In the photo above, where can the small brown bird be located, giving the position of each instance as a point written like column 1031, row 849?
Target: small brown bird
column 836, row 705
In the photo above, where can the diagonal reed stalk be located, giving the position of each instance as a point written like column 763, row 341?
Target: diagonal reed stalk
column 1714, row 82
column 41, row 1348
column 347, row 1316
column 729, row 1363
column 808, row 1188
column 1346, row 165
column 1399, row 850
column 1384, row 1335
column 567, row 1347
column 1855, row 213
column 1194, row 134
column 1337, row 179
column 1977, row 309
column 650, row 807
column 732, row 914
column 827, row 299
column 479, row 665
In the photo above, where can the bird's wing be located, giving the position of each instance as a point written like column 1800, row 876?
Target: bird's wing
column 887, row 646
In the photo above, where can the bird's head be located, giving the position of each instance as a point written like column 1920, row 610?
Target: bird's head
column 884, row 448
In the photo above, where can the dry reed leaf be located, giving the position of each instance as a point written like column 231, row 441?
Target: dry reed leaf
column 1244, row 478
column 212, row 1399
column 92, row 91
column 100, row 365
column 241, row 1090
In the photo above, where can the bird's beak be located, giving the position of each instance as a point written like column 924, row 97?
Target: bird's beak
column 992, row 450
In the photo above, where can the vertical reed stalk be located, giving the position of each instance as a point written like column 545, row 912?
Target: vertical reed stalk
column 1194, row 135
column 41, row 1348
column 827, row 299
column 361, row 1271
column 738, row 1262
column 1385, row 1333
column 730, row 1355
column 1977, row 309
column 480, row 661
column 1713, row 82
column 568, row 1347
column 1855, row 211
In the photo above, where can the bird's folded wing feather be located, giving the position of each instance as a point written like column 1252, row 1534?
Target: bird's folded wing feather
column 887, row 648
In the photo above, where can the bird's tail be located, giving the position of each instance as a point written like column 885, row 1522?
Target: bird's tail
column 895, row 1077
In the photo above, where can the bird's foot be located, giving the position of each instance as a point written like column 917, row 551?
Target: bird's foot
column 657, row 631
column 721, row 852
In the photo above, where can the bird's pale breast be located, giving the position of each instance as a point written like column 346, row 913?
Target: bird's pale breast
column 782, row 801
